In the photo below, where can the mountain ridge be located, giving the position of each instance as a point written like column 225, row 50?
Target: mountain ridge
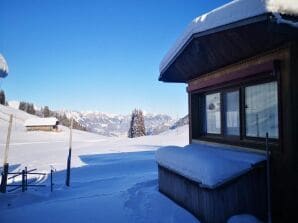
column 114, row 125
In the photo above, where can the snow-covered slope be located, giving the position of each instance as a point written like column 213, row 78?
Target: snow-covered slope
column 39, row 149
column 14, row 104
column 112, row 179
column 181, row 122
column 25, row 145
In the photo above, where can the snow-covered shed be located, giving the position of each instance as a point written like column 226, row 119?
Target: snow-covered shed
column 240, row 64
column 42, row 124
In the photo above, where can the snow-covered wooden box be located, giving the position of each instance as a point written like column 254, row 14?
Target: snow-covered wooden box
column 213, row 183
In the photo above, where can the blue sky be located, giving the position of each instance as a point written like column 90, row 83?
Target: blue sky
column 94, row 54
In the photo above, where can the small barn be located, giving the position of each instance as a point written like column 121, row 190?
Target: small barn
column 42, row 124
column 240, row 64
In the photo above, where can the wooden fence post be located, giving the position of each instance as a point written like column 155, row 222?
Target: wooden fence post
column 23, row 181
column 26, row 178
column 69, row 155
column 4, row 178
column 5, row 161
column 51, row 180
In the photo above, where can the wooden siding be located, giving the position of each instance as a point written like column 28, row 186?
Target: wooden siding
column 206, row 53
column 246, row 194
column 284, row 173
column 239, row 71
column 285, row 161
column 218, row 79
column 42, row 128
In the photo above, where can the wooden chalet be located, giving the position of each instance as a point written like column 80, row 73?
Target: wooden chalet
column 240, row 64
column 42, row 124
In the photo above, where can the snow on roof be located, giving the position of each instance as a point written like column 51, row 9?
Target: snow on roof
column 229, row 13
column 209, row 165
column 41, row 122
column 3, row 67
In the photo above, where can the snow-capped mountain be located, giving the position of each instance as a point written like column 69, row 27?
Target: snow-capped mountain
column 181, row 122
column 114, row 124
column 118, row 125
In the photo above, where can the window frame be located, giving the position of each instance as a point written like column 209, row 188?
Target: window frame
column 242, row 139
column 205, row 114
column 224, row 110
column 244, row 116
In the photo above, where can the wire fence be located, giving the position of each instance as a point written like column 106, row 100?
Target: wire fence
column 25, row 182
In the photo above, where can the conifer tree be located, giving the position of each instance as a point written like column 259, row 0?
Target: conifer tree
column 2, row 98
column 46, row 112
column 30, row 109
column 137, row 125
column 27, row 107
column 22, row 106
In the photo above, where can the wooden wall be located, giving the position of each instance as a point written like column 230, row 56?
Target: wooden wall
column 284, row 173
column 42, row 128
column 246, row 194
column 285, row 162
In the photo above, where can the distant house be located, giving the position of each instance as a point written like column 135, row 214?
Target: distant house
column 240, row 64
column 41, row 124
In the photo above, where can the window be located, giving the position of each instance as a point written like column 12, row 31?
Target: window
column 261, row 110
column 213, row 120
column 232, row 123
column 245, row 112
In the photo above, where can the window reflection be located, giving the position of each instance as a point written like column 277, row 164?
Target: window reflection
column 213, row 120
column 261, row 110
column 232, row 113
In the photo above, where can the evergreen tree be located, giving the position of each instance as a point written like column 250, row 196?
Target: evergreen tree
column 22, row 106
column 137, row 124
column 27, row 107
column 30, row 109
column 2, row 98
column 46, row 112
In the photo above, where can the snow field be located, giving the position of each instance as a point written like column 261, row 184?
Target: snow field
column 112, row 179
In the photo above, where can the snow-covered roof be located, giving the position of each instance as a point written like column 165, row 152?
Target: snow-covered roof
column 234, row 11
column 3, row 67
column 41, row 122
column 210, row 166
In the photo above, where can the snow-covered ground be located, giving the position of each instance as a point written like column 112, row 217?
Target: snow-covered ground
column 112, row 180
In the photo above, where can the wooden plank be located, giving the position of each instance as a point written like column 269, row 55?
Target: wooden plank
column 212, row 80
column 260, row 64
column 246, row 194
column 212, row 52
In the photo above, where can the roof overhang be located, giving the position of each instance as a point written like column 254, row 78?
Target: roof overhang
column 212, row 49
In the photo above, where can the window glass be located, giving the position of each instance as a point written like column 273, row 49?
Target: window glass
column 213, row 120
column 232, row 113
column 261, row 110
